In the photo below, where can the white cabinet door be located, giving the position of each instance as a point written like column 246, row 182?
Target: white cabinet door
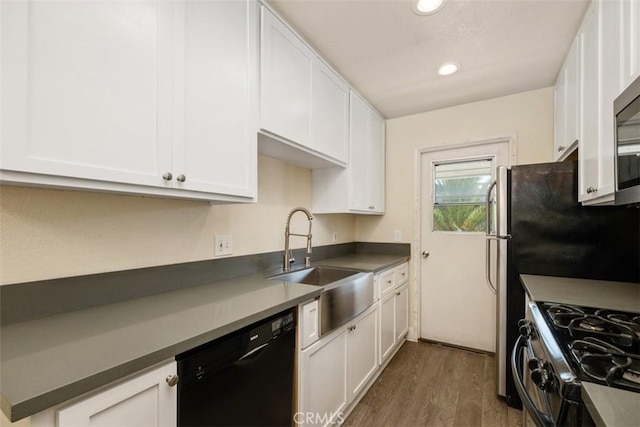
column 599, row 82
column 367, row 158
column 362, row 351
column 329, row 113
column 560, row 119
column 145, row 400
column 387, row 327
column 285, row 81
column 215, row 107
column 572, row 76
column 401, row 312
column 323, row 380
column 377, row 162
column 630, row 46
column 82, row 89
column 359, row 154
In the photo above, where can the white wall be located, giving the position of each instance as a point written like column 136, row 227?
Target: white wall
column 54, row 233
column 527, row 116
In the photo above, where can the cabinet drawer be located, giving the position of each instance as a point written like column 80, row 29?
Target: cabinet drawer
column 401, row 274
column 387, row 283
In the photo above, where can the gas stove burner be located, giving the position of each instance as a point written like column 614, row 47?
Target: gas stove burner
column 630, row 320
column 607, row 363
column 554, row 309
column 592, row 324
column 632, row 375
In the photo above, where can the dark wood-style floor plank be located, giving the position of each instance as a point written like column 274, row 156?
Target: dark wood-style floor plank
column 434, row 385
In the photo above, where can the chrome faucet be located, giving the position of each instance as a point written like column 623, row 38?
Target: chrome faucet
column 287, row 258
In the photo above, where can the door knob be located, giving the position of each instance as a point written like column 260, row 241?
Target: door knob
column 425, row 254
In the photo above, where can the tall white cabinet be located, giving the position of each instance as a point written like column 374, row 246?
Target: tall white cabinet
column 149, row 97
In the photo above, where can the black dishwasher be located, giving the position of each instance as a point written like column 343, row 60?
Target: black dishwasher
column 242, row 379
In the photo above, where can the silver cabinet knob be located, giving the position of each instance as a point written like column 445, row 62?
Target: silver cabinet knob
column 172, row 380
column 181, row 178
column 372, row 207
column 561, row 148
column 425, row 254
column 167, row 176
column 592, row 190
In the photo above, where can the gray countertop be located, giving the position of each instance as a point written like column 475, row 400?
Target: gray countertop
column 622, row 296
column 365, row 262
column 49, row 360
column 608, row 406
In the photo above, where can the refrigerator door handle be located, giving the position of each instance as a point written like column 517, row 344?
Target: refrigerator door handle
column 488, row 266
column 487, row 211
column 489, row 236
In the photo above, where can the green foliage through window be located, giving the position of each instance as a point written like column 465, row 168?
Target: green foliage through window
column 460, row 194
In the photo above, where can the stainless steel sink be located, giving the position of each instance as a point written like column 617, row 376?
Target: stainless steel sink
column 318, row 276
column 346, row 293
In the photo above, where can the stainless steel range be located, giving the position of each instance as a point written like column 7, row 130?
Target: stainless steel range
column 561, row 346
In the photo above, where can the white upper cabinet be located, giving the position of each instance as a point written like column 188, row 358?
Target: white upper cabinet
column 329, row 113
column 567, row 105
column 144, row 97
column 360, row 188
column 608, row 58
column 82, row 84
column 215, row 120
column 600, row 49
column 286, row 70
column 303, row 103
column 630, row 42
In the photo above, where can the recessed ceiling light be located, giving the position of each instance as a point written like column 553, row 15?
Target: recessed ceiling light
column 448, row 68
column 426, row 7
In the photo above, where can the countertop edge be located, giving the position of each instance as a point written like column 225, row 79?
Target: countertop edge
column 26, row 408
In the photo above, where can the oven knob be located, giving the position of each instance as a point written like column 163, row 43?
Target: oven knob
column 534, row 363
column 524, row 326
column 540, row 377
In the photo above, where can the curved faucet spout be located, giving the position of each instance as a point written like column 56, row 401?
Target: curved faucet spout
column 287, row 258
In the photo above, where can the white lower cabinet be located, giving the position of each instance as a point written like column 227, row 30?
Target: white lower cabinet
column 335, row 369
column 394, row 320
column 392, row 289
column 144, row 400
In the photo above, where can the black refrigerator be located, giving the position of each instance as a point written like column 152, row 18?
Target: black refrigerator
column 541, row 228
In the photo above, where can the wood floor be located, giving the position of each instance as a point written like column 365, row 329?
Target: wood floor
column 433, row 385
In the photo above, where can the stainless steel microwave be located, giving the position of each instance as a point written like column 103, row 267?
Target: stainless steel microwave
column 627, row 145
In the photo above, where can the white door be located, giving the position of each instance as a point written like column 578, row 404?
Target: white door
column 457, row 307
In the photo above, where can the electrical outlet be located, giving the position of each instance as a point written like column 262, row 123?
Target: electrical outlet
column 223, row 245
column 334, row 236
column 397, row 235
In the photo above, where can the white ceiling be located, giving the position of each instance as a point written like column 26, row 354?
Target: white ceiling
column 390, row 55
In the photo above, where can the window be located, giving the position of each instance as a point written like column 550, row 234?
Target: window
column 460, row 193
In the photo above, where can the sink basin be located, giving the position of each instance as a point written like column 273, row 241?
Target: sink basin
column 346, row 293
column 318, row 276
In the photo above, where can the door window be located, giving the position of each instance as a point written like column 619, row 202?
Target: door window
column 460, row 193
